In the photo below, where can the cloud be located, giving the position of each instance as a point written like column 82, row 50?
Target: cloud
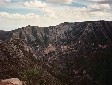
column 53, row 16
column 4, row 1
column 7, row 0
column 99, row 7
column 101, row 1
column 91, row 12
column 1, row 1
column 49, row 12
column 5, row 15
column 105, row 2
column 60, row 1
column 13, row 21
column 35, row 4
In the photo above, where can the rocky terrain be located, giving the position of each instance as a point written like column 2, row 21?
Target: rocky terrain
column 78, row 53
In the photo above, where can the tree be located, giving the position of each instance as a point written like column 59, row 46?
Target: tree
column 30, row 76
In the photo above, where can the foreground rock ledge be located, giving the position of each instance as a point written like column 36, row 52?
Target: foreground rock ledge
column 11, row 81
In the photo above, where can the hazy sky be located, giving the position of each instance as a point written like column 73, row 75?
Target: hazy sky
column 18, row 13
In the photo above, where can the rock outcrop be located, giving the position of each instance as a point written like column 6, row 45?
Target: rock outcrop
column 12, row 81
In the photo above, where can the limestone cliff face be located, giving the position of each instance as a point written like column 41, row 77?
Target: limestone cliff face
column 69, row 52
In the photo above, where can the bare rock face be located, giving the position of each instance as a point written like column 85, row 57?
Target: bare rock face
column 12, row 81
column 71, row 53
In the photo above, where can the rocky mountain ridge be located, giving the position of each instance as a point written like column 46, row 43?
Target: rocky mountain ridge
column 65, row 51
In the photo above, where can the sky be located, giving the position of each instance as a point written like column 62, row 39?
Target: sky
column 20, row 13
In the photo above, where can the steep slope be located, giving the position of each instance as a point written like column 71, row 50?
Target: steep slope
column 72, row 53
column 16, row 58
column 13, row 58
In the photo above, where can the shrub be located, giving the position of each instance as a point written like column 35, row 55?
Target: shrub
column 30, row 76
